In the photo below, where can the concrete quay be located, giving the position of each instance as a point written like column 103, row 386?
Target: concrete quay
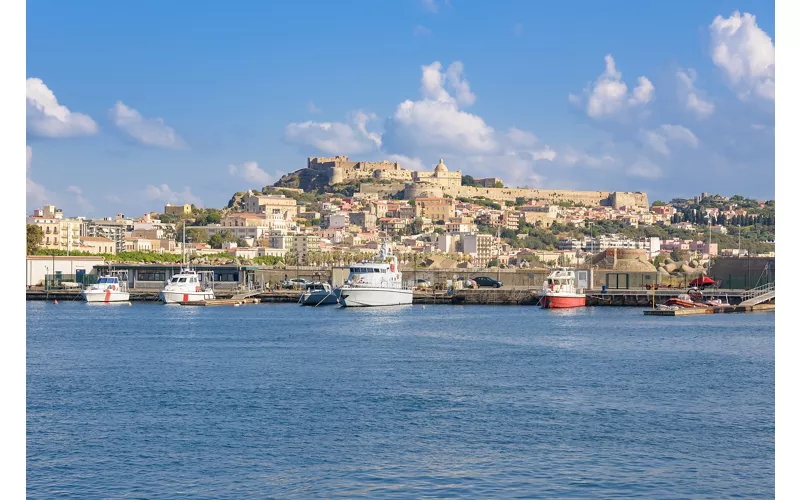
column 486, row 296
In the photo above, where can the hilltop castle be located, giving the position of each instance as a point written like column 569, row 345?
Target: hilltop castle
column 442, row 182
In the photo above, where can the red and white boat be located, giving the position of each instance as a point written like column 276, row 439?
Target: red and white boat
column 558, row 291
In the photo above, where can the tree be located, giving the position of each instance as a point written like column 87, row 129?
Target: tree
column 658, row 203
column 498, row 184
column 34, row 238
column 196, row 235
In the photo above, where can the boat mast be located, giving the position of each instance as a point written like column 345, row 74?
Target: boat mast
column 183, row 247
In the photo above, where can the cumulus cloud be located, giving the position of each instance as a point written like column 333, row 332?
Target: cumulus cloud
column 436, row 123
column 47, row 118
column 571, row 156
column 33, row 191
column 336, row 137
column 746, row 55
column 164, row 194
column 251, row 172
column 645, row 168
column 659, row 138
column 410, row 163
column 151, row 132
column 691, row 97
column 608, row 95
column 521, row 138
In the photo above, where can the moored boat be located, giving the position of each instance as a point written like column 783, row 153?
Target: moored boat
column 107, row 289
column 376, row 283
column 559, row 291
column 317, row 294
column 188, row 285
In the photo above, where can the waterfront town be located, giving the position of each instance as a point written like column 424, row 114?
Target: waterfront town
column 335, row 212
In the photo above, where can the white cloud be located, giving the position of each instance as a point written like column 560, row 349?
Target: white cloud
column 164, row 194
column 33, row 191
column 312, row 108
column 691, row 97
column 47, row 118
column 112, row 198
column 521, row 138
column 83, row 202
column 659, row 138
column 745, row 53
column 643, row 167
column 336, row 137
column 545, row 154
column 420, row 30
column 436, row 123
column 408, row 162
column 609, row 95
column 148, row 131
column 251, row 172
column 571, row 156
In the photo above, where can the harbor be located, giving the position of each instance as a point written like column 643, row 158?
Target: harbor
column 481, row 296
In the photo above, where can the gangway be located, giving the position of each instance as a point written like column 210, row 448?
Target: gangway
column 758, row 295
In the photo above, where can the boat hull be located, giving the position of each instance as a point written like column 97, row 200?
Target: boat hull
column 105, row 296
column 563, row 301
column 320, row 298
column 372, row 297
column 176, row 297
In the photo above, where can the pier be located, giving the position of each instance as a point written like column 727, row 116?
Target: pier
column 480, row 296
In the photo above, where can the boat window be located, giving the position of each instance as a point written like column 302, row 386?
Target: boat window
column 102, row 280
column 182, row 280
column 193, row 280
column 174, row 280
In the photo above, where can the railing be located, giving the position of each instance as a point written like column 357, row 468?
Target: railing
column 759, row 290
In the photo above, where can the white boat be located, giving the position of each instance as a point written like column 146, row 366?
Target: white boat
column 376, row 283
column 188, row 285
column 559, row 291
column 108, row 288
column 318, row 294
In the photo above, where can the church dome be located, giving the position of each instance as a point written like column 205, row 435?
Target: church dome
column 441, row 167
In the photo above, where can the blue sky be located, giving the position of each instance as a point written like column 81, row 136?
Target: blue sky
column 131, row 106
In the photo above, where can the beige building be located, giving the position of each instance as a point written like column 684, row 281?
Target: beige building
column 480, row 247
column 303, row 244
column 181, row 210
column 94, row 244
column 435, row 209
column 273, row 204
column 51, row 230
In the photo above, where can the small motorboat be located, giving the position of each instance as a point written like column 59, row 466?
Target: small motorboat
column 107, row 289
column 317, row 294
column 683, row 301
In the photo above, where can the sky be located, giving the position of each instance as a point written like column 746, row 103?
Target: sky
column 133, row 105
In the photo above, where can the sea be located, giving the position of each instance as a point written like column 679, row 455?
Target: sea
column 439, row 401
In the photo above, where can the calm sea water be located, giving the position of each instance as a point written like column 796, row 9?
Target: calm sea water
column 149, row 401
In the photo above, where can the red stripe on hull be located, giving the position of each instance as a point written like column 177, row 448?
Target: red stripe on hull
column 555, row 302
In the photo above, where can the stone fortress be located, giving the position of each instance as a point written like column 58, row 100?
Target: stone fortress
column 442, row 182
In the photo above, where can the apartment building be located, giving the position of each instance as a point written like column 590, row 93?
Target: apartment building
column 113, row 230
column 479, row 246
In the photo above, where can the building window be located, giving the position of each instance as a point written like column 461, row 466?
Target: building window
column 158, row 276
